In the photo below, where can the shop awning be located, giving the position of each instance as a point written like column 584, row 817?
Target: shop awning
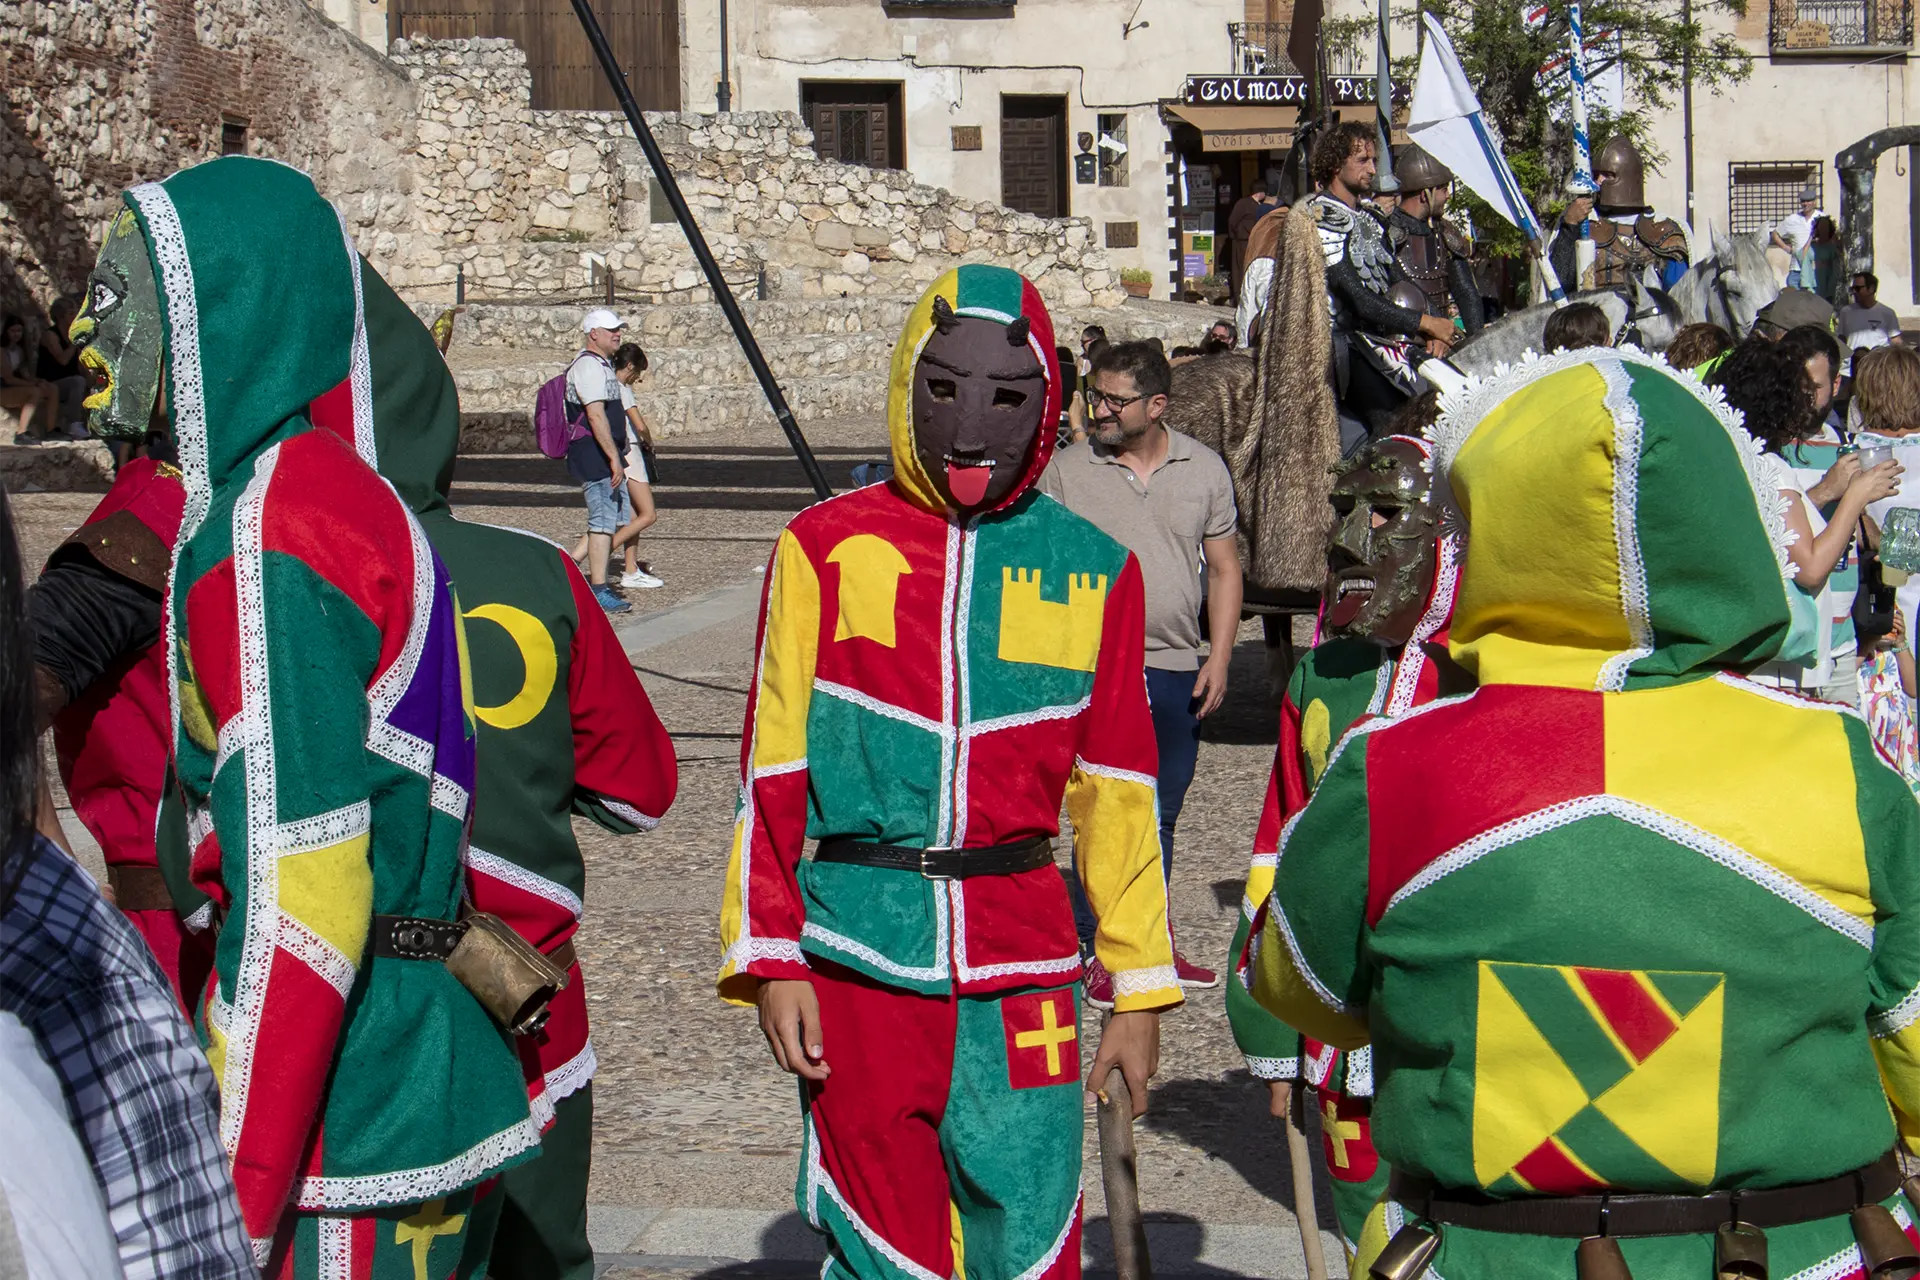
column 1240, row 128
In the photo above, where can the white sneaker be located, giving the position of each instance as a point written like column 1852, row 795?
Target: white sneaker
column 640, row 578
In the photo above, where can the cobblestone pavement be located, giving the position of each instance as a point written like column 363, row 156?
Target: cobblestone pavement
column 691, row 1111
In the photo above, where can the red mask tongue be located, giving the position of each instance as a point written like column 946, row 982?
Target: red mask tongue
column 968, row 485
column 1347, row 608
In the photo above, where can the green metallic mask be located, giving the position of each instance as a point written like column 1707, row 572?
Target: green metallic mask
column 119, row 333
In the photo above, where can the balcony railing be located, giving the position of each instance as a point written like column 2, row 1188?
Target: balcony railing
column 1813, row 26
column 1260, row 49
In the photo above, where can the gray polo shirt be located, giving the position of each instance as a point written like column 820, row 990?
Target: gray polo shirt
column 1187, row 500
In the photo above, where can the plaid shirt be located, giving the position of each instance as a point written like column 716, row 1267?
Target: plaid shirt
column 139, row 1089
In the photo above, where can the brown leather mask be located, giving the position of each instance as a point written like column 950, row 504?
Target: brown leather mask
column 1380, row 579
column 978, row 396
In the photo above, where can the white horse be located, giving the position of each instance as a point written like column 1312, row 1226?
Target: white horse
column 1646, row 316
column 1730, row 286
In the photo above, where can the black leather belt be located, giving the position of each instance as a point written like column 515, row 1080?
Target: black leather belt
column 940, row 864
column 415, row 938
column 1577, row 1217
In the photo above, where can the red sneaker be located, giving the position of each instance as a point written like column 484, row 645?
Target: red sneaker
column 1097, row 987
column 1192, row 975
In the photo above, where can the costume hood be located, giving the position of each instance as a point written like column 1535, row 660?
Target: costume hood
column 412, row 433
column 1621, row 532
column 258, row 293
column 995, row 293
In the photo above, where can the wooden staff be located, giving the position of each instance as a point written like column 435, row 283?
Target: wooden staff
column 1303, row 1206
column 1121, row 1175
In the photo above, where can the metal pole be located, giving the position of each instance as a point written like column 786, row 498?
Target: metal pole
column 723, row 97
column 1686, row 105
column 1383, row 104
column 1582, row 183
column 698, row 242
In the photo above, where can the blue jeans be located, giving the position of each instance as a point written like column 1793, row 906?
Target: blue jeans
column 1176, row 732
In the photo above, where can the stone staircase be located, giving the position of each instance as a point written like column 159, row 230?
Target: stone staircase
column 829, row 355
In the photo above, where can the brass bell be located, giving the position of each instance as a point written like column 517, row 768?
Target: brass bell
column 1408, row 1253
column 1599, row 1258
column 1884, row 1248
column 1739, row 1252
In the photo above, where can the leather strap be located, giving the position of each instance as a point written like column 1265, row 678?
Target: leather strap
column 940, row 864
column 564, row 957
column 1577, row 1217
column 139, row 888
column 415, row 938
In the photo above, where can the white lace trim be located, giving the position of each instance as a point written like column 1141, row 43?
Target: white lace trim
column 949, row 595
column 574, row 1074
column 775, row 770
column 963, row 709
column 1406, row 672
column 1065, row 964
column 1052, row 1255
column 627, row 813
column 1366, row 727
column 1273, row 1068
column 1632, row 567
column 323, row 830
column 383, row 737
column 1462, row 411
column 360, row 371
column 1317, row 1067
column 747, row 950
column 186, row 390
column 861, row 951
column 1278, row 916
column 200, row 919
column 449, row 797
column 1848, row 1260
column 199, row 826
column 818, row 1180
column 1360, row 1072
column 410, row 1186
column 495, row 867
column 335, row 1248
column 1897, row 1019
column 742, row 952
column 1020, row 719
column 314, row 951
column 867, row 702
column 1787, row 698
column 1146, row 780
column 1140, row 982
column 1671, row 828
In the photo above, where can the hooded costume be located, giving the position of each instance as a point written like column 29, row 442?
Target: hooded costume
column 930, row 682
column 1594, row 948
column 1337, row 684
column 562, row 726
column 323, row 750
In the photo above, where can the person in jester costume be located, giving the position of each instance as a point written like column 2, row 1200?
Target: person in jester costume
column 1635, row 1010
column 564, row 726
column 324, row 755
column 943, row 658
column 1392, row 569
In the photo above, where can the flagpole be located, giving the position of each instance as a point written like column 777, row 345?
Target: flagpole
column 1383, row 103
column 1582, row 183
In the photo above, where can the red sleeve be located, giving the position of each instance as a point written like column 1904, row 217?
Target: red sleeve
column 621, row 752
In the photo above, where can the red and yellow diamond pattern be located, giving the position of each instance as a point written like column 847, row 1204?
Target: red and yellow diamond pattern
column 1587, row 1078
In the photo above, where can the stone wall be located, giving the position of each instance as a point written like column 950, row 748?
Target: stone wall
column 538, row 203
column 99, row 95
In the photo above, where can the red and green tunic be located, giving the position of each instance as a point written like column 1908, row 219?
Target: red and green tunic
column 1591, row 940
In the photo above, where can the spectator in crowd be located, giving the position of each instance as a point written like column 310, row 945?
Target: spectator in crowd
column 1247, row 210
column 1768, row 383
column 1697, row 344
column 1088, row 337
column 137, row 1090
column 1886, row 391
column 1077, row 410
column 1819, row 354
column 1793, row 233
column 597, row 460
column 629, row 366
column 1793, row 308
column 1169, row 500
column 1222, row 335
column 1827, row 260
column 1867, row 314
column 58, row 362
column 29, row 396
column 1576, row 325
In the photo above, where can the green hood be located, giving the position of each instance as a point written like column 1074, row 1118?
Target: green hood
column 257, row 290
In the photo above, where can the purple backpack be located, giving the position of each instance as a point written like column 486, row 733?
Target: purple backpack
column 554, row 427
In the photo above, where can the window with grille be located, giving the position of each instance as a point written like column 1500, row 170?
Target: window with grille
column 1112, row 149
column 1759, row 195
column 233, row 137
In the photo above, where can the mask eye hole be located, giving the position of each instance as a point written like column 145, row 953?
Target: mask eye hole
column 101, row 298
column 1008, row 398
column 941, row 389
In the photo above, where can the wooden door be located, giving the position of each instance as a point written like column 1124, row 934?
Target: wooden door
column 1033, row 154
column 644, row 34
column 856, row 122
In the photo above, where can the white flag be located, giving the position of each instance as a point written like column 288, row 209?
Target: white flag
column 1446, row 120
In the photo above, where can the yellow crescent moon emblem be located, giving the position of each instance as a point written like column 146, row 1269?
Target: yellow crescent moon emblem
column 536, row 652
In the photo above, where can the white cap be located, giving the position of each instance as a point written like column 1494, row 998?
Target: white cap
column 601, row 318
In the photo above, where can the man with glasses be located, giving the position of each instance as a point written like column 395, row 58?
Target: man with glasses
column 1867, row 314
column 1169, row 500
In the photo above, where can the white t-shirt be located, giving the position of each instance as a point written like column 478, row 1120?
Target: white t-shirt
column 590, row 378
column 1797, row 228
column 1878, row 318
column 58, row 1217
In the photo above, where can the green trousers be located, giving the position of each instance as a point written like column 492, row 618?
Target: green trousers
column 543, row 1221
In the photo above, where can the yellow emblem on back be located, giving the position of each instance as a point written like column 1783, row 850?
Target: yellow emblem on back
column 870, row 572
column 1046, row 632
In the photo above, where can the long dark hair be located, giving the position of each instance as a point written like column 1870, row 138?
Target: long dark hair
column 1770, row 387
column 19, row 745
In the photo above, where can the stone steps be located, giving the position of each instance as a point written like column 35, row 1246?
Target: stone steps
column 548, row 327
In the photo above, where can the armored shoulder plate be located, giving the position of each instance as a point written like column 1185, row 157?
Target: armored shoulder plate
column 1457, row 243
column 1336, row 223
column 1667, row 238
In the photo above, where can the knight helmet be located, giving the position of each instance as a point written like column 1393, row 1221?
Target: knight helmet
column 1626, row 189
column 1419, row 170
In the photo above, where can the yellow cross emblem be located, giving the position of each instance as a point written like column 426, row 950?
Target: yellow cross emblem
column 1339, row 1132
column 422, row 1228
column 1050, row 1036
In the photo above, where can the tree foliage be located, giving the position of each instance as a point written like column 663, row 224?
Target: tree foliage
column 1652, row 43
